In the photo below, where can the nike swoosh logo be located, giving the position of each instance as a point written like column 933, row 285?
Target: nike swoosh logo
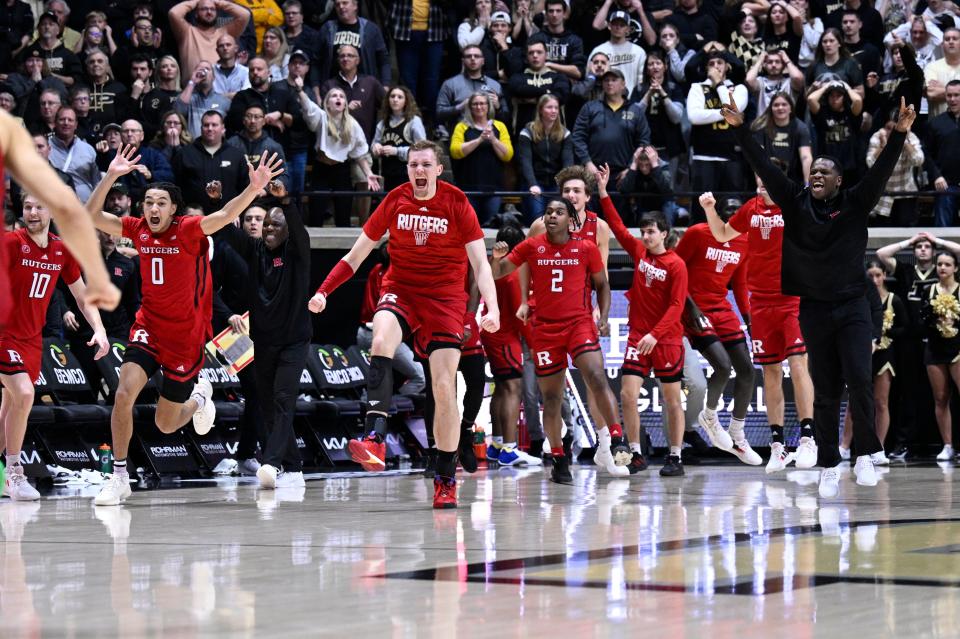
column 373, row 458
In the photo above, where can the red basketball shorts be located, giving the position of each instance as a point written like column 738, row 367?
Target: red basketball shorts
column 775, row 328
column 434, row 323
column 553, row 342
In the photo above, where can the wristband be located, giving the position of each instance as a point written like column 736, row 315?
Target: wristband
column 339, row 274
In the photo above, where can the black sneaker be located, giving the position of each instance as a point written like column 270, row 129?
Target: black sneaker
column 900, row 454
column 561, row 471
column 637, row 464
column 468, row 458
column 568, row 446
column 536, row 448
column 673, row 467
column 696, row 442
column 430, row 470
column 622, row 456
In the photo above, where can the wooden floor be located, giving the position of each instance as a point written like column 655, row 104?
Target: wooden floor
column 726, row 551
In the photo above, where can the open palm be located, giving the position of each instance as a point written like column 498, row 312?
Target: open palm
column 124, row 162
column 265, row 171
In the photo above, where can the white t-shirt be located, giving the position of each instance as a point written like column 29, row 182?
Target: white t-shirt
column 628, row 58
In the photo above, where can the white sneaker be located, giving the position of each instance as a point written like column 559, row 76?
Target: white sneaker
column 865, row 472
column 203, row 419
column 779, row 458
column 17, row 487
column 604, row 459
column 879, row 458
column 946, row 454
column 830, row 482
column 290, row 480
column 528, row 459
column 844, row 453
column 806, row 453
column 719, row 437
column 745, row 453
column 114, row 491
column 267, row 475
column 226, row 467
column 249, row 467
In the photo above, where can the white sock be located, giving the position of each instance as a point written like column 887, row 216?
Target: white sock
column 675, row 450
column 736, row 429
column 510, row 445
column 13, row 460
column 603, row 438
column 200, row 400
column 636, row 448
column 709, row 413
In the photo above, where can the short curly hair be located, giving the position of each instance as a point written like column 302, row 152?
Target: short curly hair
column 577, row 172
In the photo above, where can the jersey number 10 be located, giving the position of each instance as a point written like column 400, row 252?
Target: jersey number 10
column 38, row 287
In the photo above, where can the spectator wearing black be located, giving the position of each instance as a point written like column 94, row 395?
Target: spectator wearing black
column 696, row 25
column 591, row 86
column 31, row 79
column 501, row 57
column 677, row 53
column 172, row 136
column 299, row 137
column 364, row 92
column 124, row 275
column 278, row 102
column 456, row 91
column 480, row 148
column 871, row 19
column 565, row 52
column 210, row 160
column 837, row 113
column 144, row 44
column 785, row 137
column 360, row 33
column 864, row 52
column 399, row 127
column 108, row 98
column 254, row 142
column 299, row 35
column 715, row 158
column 833, row 62
column 229, row 76
column 534, row 81
column 90, row 128
column 905, row 80
column 746, row 42
column 16, row 29
column 63, row 63
column 609, row 130
column 649, row 176
column 942, row 146
column 662, row 101
column 198, row 97
column 64, row 145
column 162, row 97
column 141, row 72
column 783, row 29
column 544, row 147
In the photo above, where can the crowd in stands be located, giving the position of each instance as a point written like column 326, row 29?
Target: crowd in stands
column 515, row 90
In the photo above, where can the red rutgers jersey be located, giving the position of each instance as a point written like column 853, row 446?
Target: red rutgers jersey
column 4, row 275
column 427, row 239
column 712, row 265
column 33, row 274
column 763, row 225
column 175, row 279
column 588, row 230
column 560, row 275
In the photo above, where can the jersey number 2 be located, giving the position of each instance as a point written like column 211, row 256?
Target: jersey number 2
column 156, row 270
column 556, row 284
column 38, row 288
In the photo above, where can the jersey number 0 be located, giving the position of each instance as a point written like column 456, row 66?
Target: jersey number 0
column 156, row 270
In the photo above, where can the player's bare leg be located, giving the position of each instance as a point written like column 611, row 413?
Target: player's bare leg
column 132, row 380
column 612, row 456
column 551, row 389
column 370, row 451
column 446, row 424
column 673, row 407
column 172, row 416
column 17, row 400
column 742, row 390
column 630, row 387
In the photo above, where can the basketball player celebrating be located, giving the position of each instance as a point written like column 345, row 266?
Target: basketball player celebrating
column 564, row 269
column 434, row 233
column 173, row 322
column 655, row 342
column 775, row 320
column 19, row 156
column 711, row 267
column 576, row 186
column 824, row 240
column 35, row 260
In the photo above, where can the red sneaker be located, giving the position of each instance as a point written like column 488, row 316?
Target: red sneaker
column 444, row 492
column 367, row 452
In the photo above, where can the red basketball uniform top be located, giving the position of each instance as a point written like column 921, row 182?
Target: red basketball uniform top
column 33, row 273
column 427, row 239
column 175, row 279
column 659, row 287
column 508, row 299
column 371, row 294
column 560, row 275
column 763, row 226
column 588, row 230
column 712, row 265
column 5, row 301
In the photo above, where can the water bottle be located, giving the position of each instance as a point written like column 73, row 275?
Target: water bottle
column 106, row 459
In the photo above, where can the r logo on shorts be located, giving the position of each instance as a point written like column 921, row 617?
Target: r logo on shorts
column 14, row 357
column 141, row 336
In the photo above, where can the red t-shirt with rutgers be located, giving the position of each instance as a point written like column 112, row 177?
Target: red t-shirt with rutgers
column 427, row 239
column 175, row 279
column 33, row 274
column 712, row 265
column 560, row 274
column 763, row 226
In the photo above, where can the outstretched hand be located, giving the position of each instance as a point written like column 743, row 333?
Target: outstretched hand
column 906, row 116
column 731, row 114
column 603, row 178
column 265, row 171
column 124, row 161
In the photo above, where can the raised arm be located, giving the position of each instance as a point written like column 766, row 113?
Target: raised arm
column 124, row 162
column 721, row 231
column 867, row 192
column 477, row 254
column 259, row 178
column 888, row 254
column 629, row 243
column 241, row 16
column 178, row 18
